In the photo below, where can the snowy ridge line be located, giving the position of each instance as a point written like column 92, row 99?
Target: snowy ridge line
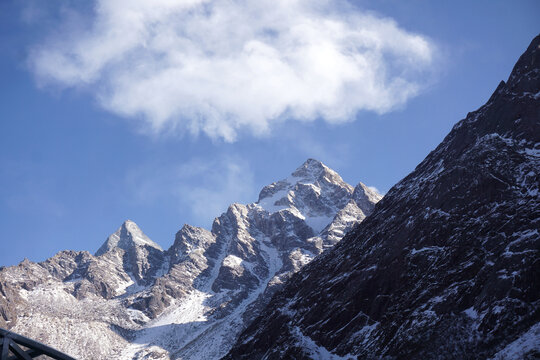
column 192, row 300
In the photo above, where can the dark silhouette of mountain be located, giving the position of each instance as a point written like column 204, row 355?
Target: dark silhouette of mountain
column 446, row 267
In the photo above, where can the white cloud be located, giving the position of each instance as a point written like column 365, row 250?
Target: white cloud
column 228, row 66
column 204, row 186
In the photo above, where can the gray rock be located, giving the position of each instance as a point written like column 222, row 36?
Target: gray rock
column 134, row 300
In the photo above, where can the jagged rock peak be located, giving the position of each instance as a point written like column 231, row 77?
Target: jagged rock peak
column 310, row 172
column 187, row 239
column 362, row 191
column 525, row 74
column 127, row 236
column 312, row 169
column 366, row 197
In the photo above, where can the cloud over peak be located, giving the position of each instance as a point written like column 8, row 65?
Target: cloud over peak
column 228, row 66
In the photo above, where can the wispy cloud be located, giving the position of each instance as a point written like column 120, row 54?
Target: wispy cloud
column 219, row 184
column 204, row 186
column 373, row 188
column 222, row 67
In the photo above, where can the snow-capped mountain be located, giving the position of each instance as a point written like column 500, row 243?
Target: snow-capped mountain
column 133, row 300
column 445, row 267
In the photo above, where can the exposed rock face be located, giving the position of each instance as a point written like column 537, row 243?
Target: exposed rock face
column 134, row 300
column 142, row 258
column 220, row 279
column 446, row 266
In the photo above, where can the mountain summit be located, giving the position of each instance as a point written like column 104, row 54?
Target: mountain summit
column 133, row 300
column 128, row 236
column 445, row 267
column 313, row 169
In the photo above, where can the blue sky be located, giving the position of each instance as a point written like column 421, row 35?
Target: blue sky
column 100, row 121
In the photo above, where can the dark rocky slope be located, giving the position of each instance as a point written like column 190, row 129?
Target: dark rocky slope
column 447, row 265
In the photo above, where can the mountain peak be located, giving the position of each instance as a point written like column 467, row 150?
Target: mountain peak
column 131, row 226
column 524, row 76
column 313, row 189
column 311, row 168
column 127, row 236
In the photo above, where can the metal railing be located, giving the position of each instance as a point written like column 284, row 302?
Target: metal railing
column 15, row 346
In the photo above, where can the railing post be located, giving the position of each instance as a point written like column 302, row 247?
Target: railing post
column 5, row 348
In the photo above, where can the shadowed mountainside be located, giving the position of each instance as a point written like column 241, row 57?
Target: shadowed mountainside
column 446, row 266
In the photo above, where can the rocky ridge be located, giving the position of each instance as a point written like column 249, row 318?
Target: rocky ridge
column 131, row 299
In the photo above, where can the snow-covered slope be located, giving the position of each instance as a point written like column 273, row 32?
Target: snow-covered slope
column 445, row 267
column 132, row 300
